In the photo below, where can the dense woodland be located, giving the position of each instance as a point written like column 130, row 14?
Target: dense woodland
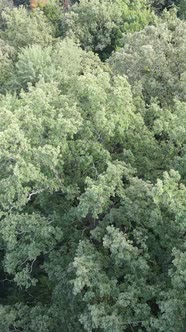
column 93, row 166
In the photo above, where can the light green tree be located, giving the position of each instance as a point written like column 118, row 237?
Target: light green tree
column 92, row 172
column 22, row 28
column 154, row 60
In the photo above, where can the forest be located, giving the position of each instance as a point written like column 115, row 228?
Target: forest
column 93, row 166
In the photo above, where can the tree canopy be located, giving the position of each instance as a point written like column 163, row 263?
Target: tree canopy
column 93, row 167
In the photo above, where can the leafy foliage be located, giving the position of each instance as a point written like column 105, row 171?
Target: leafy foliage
column 92, row 168
column 154, row 59
column 98, row 25
column 160, row 5
column 37, row 29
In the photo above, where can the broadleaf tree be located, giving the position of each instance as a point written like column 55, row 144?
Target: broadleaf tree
column 92, row 169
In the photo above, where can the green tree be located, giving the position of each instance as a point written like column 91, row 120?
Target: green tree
column 92, row 172
column 160, row 5
column 154, row 60
column 98, row 25
column 131, row 270
column 181, row 6
column 22, row 27
column 52, row 139
column 7, row 54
